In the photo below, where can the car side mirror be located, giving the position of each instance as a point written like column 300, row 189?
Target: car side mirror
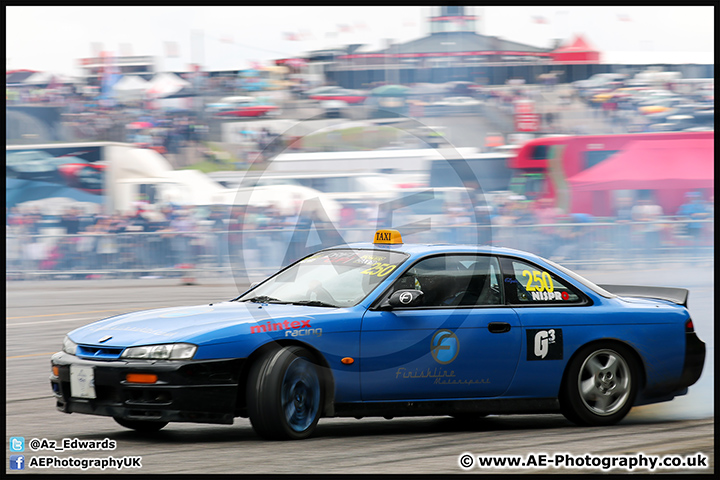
column 405, row 298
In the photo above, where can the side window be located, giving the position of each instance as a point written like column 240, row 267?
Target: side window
column 528, row 284
column 455, row 281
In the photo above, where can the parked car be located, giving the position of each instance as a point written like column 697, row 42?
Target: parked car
column 320, row 90
column 344, row 95
column 661, row 105
column 598, row 83
column 334, row 108
column 618, row 94
column 242, row 106
column 459, row 102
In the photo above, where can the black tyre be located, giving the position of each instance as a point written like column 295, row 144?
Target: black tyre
column 141, row 425
column 600, row 385
column 285, row 394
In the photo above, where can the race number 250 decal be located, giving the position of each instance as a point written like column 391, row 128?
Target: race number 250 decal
column 544, row 344
column 542, row 281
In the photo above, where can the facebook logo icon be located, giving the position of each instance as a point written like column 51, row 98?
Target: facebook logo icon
column 17, row 462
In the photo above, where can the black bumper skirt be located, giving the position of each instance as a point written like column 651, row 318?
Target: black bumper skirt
column 694, row 359
column 203, row 391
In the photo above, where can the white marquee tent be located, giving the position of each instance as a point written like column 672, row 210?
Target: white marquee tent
column 130, row 88
column 165, row 84
column 38, row 78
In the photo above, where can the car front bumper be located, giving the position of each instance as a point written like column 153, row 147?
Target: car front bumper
column 185, row 391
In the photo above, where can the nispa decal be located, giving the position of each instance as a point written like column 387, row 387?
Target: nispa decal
column 540, row 296
column 444, row 346
column 545, row 344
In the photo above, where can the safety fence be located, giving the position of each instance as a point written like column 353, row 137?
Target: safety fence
column 207, row 254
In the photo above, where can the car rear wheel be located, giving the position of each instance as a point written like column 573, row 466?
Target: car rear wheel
column 285, row 394
column 141, row 425
column 600, row 385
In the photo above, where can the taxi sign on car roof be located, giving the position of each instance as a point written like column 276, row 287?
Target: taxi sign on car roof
column 388, row 237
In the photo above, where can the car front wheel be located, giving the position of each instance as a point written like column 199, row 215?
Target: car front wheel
column 600, row 386
column 285, row 394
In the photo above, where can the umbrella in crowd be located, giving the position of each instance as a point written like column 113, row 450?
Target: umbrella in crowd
column 140, row 125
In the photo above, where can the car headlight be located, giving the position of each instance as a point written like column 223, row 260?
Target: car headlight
column 169, row 351
column 69, row 346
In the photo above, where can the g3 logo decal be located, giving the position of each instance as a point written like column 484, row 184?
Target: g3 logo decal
column 544, row 344
column 444, row 346
column 542, row 340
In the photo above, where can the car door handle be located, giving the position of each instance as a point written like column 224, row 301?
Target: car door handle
column 498, row 327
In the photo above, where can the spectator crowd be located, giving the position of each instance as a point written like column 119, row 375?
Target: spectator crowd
column 159, row 242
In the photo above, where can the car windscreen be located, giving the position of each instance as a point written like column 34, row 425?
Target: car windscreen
column 331, row 278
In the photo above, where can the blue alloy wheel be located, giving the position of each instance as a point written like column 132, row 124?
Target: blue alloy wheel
column 284, row 394
column 300, row 394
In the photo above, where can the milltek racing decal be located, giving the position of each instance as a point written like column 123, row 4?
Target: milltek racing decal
column 545, row 344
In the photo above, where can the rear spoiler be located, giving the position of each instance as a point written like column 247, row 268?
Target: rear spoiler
column 675, row 295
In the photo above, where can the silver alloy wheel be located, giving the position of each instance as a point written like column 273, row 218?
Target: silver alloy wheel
column 604, row 382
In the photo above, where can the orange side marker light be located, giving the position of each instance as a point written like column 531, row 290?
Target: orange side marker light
column 141, row 378
column 347, row 360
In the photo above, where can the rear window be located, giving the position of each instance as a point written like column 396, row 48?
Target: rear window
column 529, row 284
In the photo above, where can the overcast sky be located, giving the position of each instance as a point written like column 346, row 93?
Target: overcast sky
column 223, row 38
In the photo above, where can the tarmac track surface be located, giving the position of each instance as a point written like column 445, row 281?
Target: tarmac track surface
column 40, row 313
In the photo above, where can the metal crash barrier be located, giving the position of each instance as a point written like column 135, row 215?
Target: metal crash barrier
column 258, row 253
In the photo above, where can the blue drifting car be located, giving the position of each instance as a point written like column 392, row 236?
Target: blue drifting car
column 388, row 329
